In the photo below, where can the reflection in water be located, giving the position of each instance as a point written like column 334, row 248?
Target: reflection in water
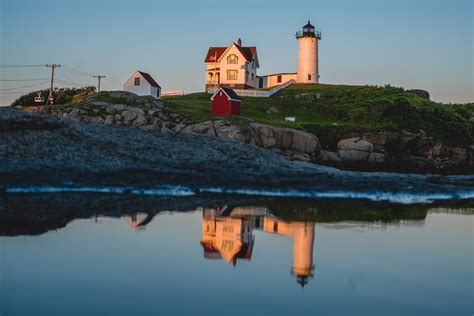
column 227, row 235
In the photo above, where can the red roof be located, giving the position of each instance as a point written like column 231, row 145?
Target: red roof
column 215, row 53
column 149, row 79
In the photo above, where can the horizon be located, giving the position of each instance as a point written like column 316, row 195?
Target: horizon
column 411, row 44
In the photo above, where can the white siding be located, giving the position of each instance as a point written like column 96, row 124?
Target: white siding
column 143, row 89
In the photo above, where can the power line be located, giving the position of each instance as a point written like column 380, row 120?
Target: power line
column 16, row 66
column 24, row 79
column 30, row 85
column 78, row 71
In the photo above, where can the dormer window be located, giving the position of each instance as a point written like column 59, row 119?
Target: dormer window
column 232, row 59
column 137, row 81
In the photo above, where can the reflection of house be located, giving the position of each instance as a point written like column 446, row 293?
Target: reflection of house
column 228, row 235
column 138, row 221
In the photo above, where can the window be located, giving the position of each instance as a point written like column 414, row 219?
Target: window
column 227, row 245
column 309, row 77
column 137, row 81
column 231, row 74
column 157, row 93
column 232, row 59
column 228, row 229
column 275, row 227
column 253, row 76
column 279, row 78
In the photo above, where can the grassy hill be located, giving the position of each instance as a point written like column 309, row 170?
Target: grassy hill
column 342, row 109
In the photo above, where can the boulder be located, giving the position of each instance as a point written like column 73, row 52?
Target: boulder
column 305, row 142
column 355, row 144
column 273, row 110
column 419, row 92
column 376, row 158
column 128, row 116
column 203, row 128
column 139, row 120
column 109, row 119
column 100, row 103
column 458, row 154
column 326, row 155
column 354, row 149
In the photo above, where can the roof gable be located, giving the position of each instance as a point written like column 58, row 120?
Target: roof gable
column 229, row 93
column 214, row 54
column 149, row 79
column 247, row 52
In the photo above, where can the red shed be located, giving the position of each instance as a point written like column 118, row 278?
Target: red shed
column 225, row 102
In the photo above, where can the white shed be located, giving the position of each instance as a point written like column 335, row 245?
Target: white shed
column 141, row 83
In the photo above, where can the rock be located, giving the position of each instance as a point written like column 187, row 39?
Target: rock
column 354, row 149
column 76, row 112
column 353, row 155
column 458, row 154
column 112, row 108
column 267, row 142
column 95, row 120
column 471, row 119
column 204, row 128
column 305, row 142
column 179, row 127
column 99, row 103
column 109, row 120
column 128, row 116
column 147, row 127
column 273, row 110
column 140, row 120
column 136, row 110
column 419, row 92
column 355, row 144
column 326, row 155
column 376, row 158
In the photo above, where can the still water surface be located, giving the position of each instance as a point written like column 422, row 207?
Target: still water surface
column 242, row 261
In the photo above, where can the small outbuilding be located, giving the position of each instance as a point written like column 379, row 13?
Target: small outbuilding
column 225, row 102
column 142, row 83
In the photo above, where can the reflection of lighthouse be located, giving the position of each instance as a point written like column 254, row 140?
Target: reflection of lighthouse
column 302, row 234
column 227, row 235
column 303, row 240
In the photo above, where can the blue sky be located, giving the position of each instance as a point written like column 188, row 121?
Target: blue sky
column 425, row 44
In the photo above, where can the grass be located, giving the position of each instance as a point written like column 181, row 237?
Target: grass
column 344, row 109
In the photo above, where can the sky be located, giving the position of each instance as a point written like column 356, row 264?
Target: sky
column 425, row 44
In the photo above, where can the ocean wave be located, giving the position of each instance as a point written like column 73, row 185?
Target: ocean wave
column 179, row 190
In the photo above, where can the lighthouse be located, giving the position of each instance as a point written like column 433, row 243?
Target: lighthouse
column 308, row 70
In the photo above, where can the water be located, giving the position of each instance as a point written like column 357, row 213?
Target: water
column 247, row 259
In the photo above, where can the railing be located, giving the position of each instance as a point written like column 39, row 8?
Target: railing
column 256, row 93
column 317, row 34
column 173, row 92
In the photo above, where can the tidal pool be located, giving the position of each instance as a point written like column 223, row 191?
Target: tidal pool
column 265, row 259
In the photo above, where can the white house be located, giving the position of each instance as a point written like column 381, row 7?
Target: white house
column 234, row 66
column 141, row 83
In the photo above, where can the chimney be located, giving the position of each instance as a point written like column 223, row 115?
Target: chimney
column 239, row 42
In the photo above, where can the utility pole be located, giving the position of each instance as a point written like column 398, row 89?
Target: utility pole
column 98, row 79
column 50, row 97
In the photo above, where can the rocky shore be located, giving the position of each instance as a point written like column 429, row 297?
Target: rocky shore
column 45, row 151
column 377, row 151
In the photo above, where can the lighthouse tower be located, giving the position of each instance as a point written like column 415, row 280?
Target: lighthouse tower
column 308, row 70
